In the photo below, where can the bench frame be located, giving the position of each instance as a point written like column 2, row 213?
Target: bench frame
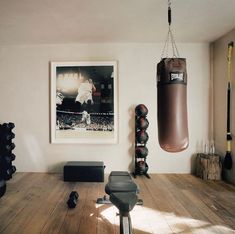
column 116, row 178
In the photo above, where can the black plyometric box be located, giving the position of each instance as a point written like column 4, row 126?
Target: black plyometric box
column 84, row 171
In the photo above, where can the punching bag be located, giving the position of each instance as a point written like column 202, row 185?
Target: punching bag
column 172, row 104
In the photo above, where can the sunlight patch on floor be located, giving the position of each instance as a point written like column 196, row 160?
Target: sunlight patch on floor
column 154, row 221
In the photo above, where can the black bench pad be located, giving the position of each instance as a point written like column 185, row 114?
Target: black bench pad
column 125, row 202
column 119, row 173
column 120, row 181
column 124, row 187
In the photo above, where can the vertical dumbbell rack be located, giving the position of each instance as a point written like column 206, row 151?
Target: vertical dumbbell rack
column 6, row 155
column 141, row 138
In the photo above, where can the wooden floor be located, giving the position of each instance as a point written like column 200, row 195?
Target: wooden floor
column 173, row 203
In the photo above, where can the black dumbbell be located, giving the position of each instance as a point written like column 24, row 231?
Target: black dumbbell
column 9, row 158
column 7, row 136
column 9, row 147
column 73, row 197
column 9, row 125
column 9, row 172
column 2, row 187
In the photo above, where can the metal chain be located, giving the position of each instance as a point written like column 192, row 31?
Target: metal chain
column 170, row 39
column 174, row 47
column 165, row 48
column 169, row 3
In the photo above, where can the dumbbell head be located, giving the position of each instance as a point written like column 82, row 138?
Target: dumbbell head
column 9, row 172
column 74, row 194
column 72, row 201
column 2, row 187
column 7, row 135
column 9, row 147
column 9, row 125
column 9, row 158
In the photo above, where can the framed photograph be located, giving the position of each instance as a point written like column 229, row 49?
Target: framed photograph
column 84, row 102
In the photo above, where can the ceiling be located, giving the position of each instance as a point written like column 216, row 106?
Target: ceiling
column 115, row 21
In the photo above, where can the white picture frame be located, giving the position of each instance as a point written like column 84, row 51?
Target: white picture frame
column 83, row 102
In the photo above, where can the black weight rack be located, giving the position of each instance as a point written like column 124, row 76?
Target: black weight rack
column 141, row 138
column 6, row 155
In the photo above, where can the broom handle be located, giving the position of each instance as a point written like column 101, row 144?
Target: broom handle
column 228, row 109
column 230, row 50
column 229, row 136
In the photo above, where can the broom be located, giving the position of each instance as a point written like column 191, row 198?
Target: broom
column 228, row 162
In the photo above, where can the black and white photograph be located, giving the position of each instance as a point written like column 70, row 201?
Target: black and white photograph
column 83, row 102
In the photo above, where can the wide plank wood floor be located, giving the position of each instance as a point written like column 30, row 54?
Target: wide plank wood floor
column 173, row 203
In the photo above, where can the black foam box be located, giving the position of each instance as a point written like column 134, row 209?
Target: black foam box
column 84, row 171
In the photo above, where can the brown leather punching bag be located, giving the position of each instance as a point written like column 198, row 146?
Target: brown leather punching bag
column 172, row 104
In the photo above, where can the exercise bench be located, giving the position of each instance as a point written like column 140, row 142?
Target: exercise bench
column 122, row 191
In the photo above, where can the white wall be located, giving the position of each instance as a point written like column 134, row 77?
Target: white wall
column 220, row 99
column 24, row 100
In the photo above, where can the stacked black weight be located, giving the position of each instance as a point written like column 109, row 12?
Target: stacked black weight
column 6, row 155
column 141, row 138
